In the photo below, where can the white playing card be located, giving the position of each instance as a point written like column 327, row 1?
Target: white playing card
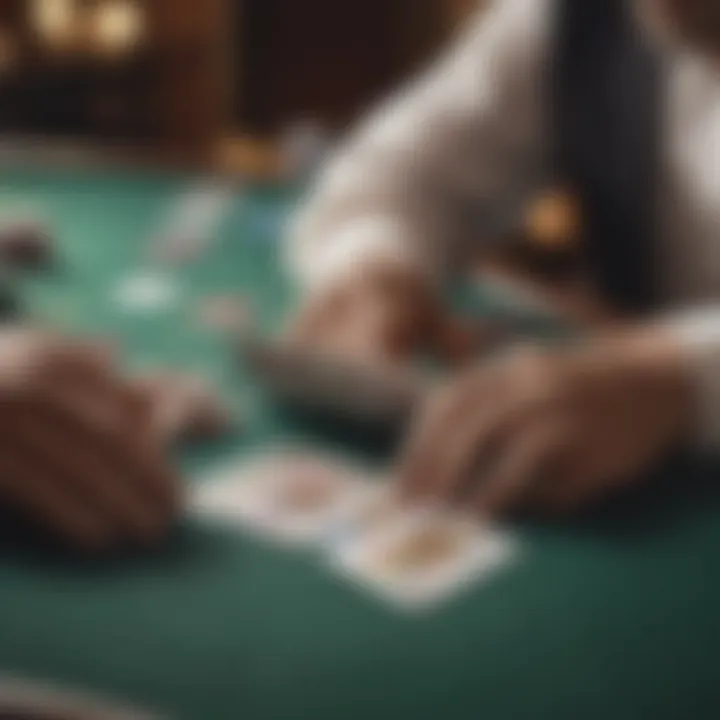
column 427, row 556
column 289, row 495
column 231, row 495
column 375, row 506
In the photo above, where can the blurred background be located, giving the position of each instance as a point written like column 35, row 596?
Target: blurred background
column 204, row 82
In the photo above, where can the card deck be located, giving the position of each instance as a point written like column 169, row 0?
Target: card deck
column 423, row 558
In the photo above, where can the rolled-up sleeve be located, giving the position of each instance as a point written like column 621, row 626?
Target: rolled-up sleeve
column 698, row 332
column 467, row 133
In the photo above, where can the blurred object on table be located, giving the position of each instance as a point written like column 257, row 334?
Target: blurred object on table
column 542, row 258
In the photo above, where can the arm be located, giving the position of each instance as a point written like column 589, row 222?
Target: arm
column 697, row 333
column 77, row 453
column 405, row 187
column 557, row 429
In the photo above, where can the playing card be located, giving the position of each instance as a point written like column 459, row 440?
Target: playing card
column 418, row 559
column 234, row 494
column 375, row 506
column 291, row 496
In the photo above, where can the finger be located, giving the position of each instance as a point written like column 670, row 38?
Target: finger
column 31, row 488
column 574, row 487
column 566, row 498
column 474, row 445
column 313, row 320
column 81, row 373
column 139, row 408
column 437, row 422
column 392, row 329
column 363, row 343
column 107, row 400
column 79, row 464
column 456, row 341
column 73, row 360
column 140, row 461
column 134, row 405
column 80, row 430
column 524, row 462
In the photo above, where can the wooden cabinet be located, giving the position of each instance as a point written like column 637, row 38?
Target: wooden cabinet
column 170, row 93
column 194, row 45
column 206, row 68
column 326, row 59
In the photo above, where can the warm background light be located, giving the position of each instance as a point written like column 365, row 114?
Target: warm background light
column 8, row 53
column 118, row 26
column 54, row 21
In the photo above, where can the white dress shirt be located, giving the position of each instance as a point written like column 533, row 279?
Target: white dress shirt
column 420, row 175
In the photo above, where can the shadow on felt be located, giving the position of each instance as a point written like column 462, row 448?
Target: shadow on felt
column 684, row 490
column 189, row 544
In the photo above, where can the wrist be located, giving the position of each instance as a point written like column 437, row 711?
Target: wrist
column 327, row 258
column 660, row 368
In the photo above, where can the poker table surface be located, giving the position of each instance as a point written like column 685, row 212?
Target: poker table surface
column 612, row 615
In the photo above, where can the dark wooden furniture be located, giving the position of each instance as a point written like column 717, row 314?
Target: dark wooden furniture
column 327, row 60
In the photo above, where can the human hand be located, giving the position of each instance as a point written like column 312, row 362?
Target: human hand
column 552, row 430
column 381, row 314
column 76, row 452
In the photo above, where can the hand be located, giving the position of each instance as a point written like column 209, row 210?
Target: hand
column 551, row 430
column 380, row 314
column 76, row 451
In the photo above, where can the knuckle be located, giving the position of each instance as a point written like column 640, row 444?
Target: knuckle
column 538, row 381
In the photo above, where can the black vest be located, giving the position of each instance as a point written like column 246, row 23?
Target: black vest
column 607, row 109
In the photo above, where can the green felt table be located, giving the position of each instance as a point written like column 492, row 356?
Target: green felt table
column 616, row 615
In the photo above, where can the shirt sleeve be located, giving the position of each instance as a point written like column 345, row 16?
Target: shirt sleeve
column 698, row 331
column 411, row 183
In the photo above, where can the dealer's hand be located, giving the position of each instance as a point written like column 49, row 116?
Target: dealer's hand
column 379, row 314
column 76, row 452
column 552, row 429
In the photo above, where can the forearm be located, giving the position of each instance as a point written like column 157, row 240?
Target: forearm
column 697, row 333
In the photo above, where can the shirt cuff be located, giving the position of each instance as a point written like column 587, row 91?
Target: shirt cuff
column 327, row 259
column 699, row 333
